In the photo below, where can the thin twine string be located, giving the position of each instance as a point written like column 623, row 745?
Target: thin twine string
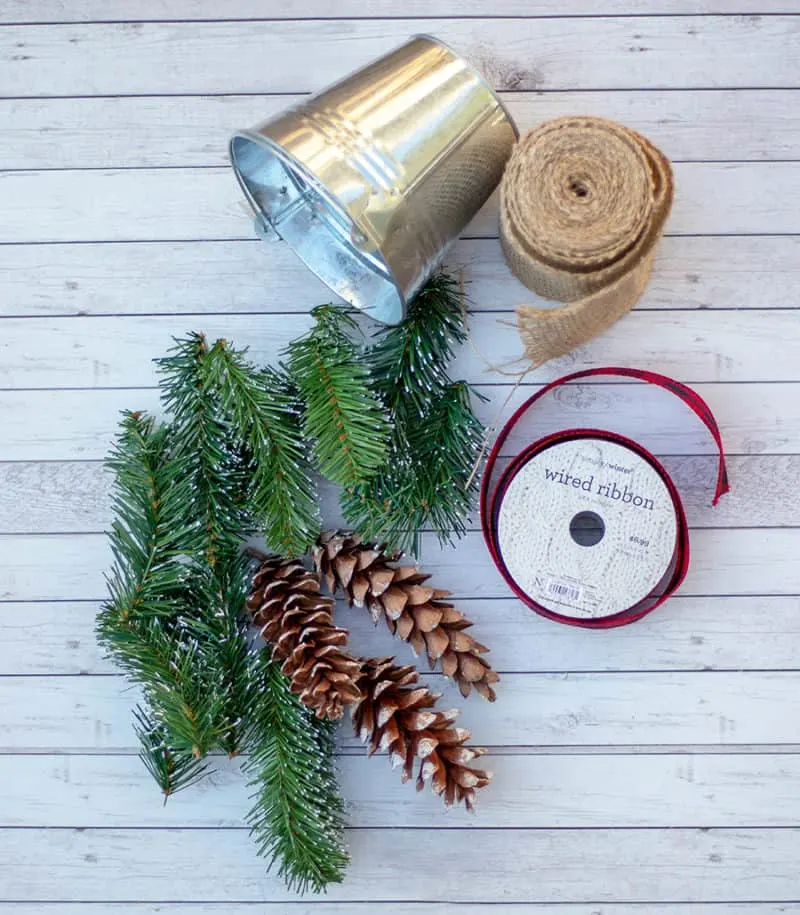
column 491, row 367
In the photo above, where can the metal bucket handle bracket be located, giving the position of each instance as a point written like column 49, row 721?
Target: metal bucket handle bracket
column 264, row 229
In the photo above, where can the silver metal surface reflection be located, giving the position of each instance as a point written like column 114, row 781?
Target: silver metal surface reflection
column 370, row 180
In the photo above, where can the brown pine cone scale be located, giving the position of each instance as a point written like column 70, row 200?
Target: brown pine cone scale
column 396, row 715
column 413, row 610
column 285, row 604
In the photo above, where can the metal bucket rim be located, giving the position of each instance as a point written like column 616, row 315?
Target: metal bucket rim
column 425, row 36
column 319, row 187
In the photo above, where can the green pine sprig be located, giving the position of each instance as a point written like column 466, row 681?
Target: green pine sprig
column 428, row 480
column 171, row 769
column 409, row 360
column 265, row 411
column 203, row 441
column 447, row 444
column 204, row 444
column 297, row 817
column 144, row 622
column 220, row 626
column 342, row 418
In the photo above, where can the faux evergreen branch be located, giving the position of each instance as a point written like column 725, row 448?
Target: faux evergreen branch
column 171, row 769
column 447, row 445
column 297, row 818
column 220, row 624
column 427, row 481
column 205, row 445
column 409, row 360
column 265, row 412
column 143, row 622
column 180, row 689
column 203, row 442
column 149, row 533
column 343, row 418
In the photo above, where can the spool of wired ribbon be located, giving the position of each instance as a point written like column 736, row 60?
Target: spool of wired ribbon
column 585, row 525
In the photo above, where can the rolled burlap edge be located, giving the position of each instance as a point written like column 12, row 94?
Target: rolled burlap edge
column 596, row 297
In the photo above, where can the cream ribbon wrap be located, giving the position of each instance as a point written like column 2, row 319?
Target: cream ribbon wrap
column 583, row 203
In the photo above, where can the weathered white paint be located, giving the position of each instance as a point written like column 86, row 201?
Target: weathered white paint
column 542, row 792
column 553, row 53
column 755, row 561
column 676, row 708
column 403, row 908
column 580, row 865
column 689, row 633
column 154, row 10
column 700, row 346
column 51, row 280
column 42, row 425
column 736, row 198
column 689, row 125
column 687, row 720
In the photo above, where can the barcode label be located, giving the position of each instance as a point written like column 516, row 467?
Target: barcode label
column 564, row 591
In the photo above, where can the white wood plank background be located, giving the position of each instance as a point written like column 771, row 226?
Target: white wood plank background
column 650, row 770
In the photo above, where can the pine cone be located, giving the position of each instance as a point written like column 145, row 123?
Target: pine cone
column 297, row 621
column 396, row 715
column 412, row 609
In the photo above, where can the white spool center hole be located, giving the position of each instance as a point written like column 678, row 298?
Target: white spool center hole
column 587, row 529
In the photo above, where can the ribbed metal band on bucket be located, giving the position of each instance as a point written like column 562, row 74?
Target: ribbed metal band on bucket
column 372, row 179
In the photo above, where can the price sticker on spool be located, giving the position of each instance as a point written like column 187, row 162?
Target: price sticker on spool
column 585, row 525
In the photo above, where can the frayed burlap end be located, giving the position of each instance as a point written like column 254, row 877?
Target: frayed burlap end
column 583, row 204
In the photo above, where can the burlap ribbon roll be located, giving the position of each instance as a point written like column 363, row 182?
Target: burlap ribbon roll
column 583, row 203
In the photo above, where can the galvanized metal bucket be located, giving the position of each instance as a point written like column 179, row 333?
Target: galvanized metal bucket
column 370, row 180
